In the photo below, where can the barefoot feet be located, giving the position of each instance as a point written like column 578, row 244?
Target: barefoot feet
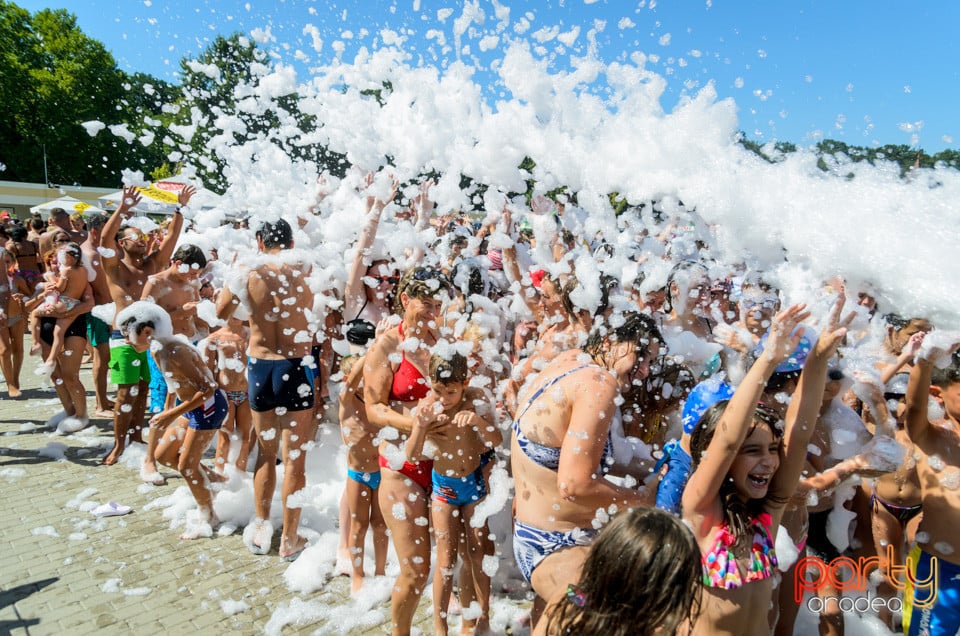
column 258, row 535
column 290, row 552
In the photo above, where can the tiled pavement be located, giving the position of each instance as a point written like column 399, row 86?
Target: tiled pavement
column 64, row 572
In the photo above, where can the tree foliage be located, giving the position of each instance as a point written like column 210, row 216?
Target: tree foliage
column 55, row 78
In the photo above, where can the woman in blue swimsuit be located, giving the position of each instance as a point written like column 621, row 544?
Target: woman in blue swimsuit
column 560, row 451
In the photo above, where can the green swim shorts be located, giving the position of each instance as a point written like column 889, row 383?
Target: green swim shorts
column 128, row 366
column 98, row 332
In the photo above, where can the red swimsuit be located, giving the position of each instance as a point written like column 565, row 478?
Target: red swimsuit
column 409, row 385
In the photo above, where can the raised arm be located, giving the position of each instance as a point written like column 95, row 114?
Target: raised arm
column 159, row 259
column 804, row 410
column 424, row 209
column 918, row 392
column 354, row 290
column 511, row 267
column 703, row 488
column 110, row 256
column 909, row 353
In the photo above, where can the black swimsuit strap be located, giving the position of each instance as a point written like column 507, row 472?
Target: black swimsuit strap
column 365, row 301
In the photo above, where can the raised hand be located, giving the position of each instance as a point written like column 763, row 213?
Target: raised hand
column 836, row 329
column 184, row 196
column 784, row 335
column 131, row 197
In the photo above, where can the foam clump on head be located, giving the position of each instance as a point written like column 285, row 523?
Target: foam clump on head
column 143, row 311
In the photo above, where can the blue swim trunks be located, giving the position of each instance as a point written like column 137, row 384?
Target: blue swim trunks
column 459, row 491
column 285, row 383
column 942, row 618
column 209, row 415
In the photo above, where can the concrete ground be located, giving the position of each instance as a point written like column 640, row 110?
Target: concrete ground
column 65, row 572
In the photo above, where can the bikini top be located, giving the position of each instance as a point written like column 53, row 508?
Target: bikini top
column 549, row 456
column 409, row 385
column 720, row 568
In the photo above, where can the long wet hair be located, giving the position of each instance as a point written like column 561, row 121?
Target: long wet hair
column 642, row 576
column 738, row 513
column 636, row 328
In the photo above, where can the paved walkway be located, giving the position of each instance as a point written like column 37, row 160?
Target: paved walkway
column 63, row 571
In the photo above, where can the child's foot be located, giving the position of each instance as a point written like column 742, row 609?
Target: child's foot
column 356, row 584
column 453, row 608
column 72, row 425
column 344, row 565
column 258, row 535
column 198, row 528
column 291, row 553
column 35, row 349
column 150, row 475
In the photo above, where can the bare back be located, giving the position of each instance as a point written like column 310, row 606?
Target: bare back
column 279, row 298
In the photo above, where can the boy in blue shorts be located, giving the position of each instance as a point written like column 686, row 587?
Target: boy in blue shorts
column 187, row 428
column 462, row 451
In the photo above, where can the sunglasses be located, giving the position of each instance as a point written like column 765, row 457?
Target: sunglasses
column 425, row 273
column 136, row 237
column 393, row 280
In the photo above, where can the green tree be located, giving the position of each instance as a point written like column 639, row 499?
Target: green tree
column 58, row 78
column 215, row 87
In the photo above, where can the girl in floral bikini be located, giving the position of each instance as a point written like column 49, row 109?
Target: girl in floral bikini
column 745, row 469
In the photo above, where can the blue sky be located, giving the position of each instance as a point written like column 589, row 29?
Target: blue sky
column 867, row 73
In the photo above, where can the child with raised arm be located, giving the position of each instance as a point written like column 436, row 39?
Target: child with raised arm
column 746, row 467
column 934, row 564
column 462, row 450
column 225, row 353
column 64, row 291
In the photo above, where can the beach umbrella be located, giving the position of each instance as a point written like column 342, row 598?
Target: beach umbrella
column 160, row 197
column 69, row 204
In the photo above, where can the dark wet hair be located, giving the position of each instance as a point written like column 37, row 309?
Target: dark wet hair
column 738, row 513
column 646, row 404
column 277, row 234
column 18, row 233
column 639, row 329
column 138, row 327
column 447, row 370
column 682, row 266
column 73, row 250
column 190, row 255
column 896, row 321
column 642, row 576
column 468, row 278
column 945, row 377
column 607, row 284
